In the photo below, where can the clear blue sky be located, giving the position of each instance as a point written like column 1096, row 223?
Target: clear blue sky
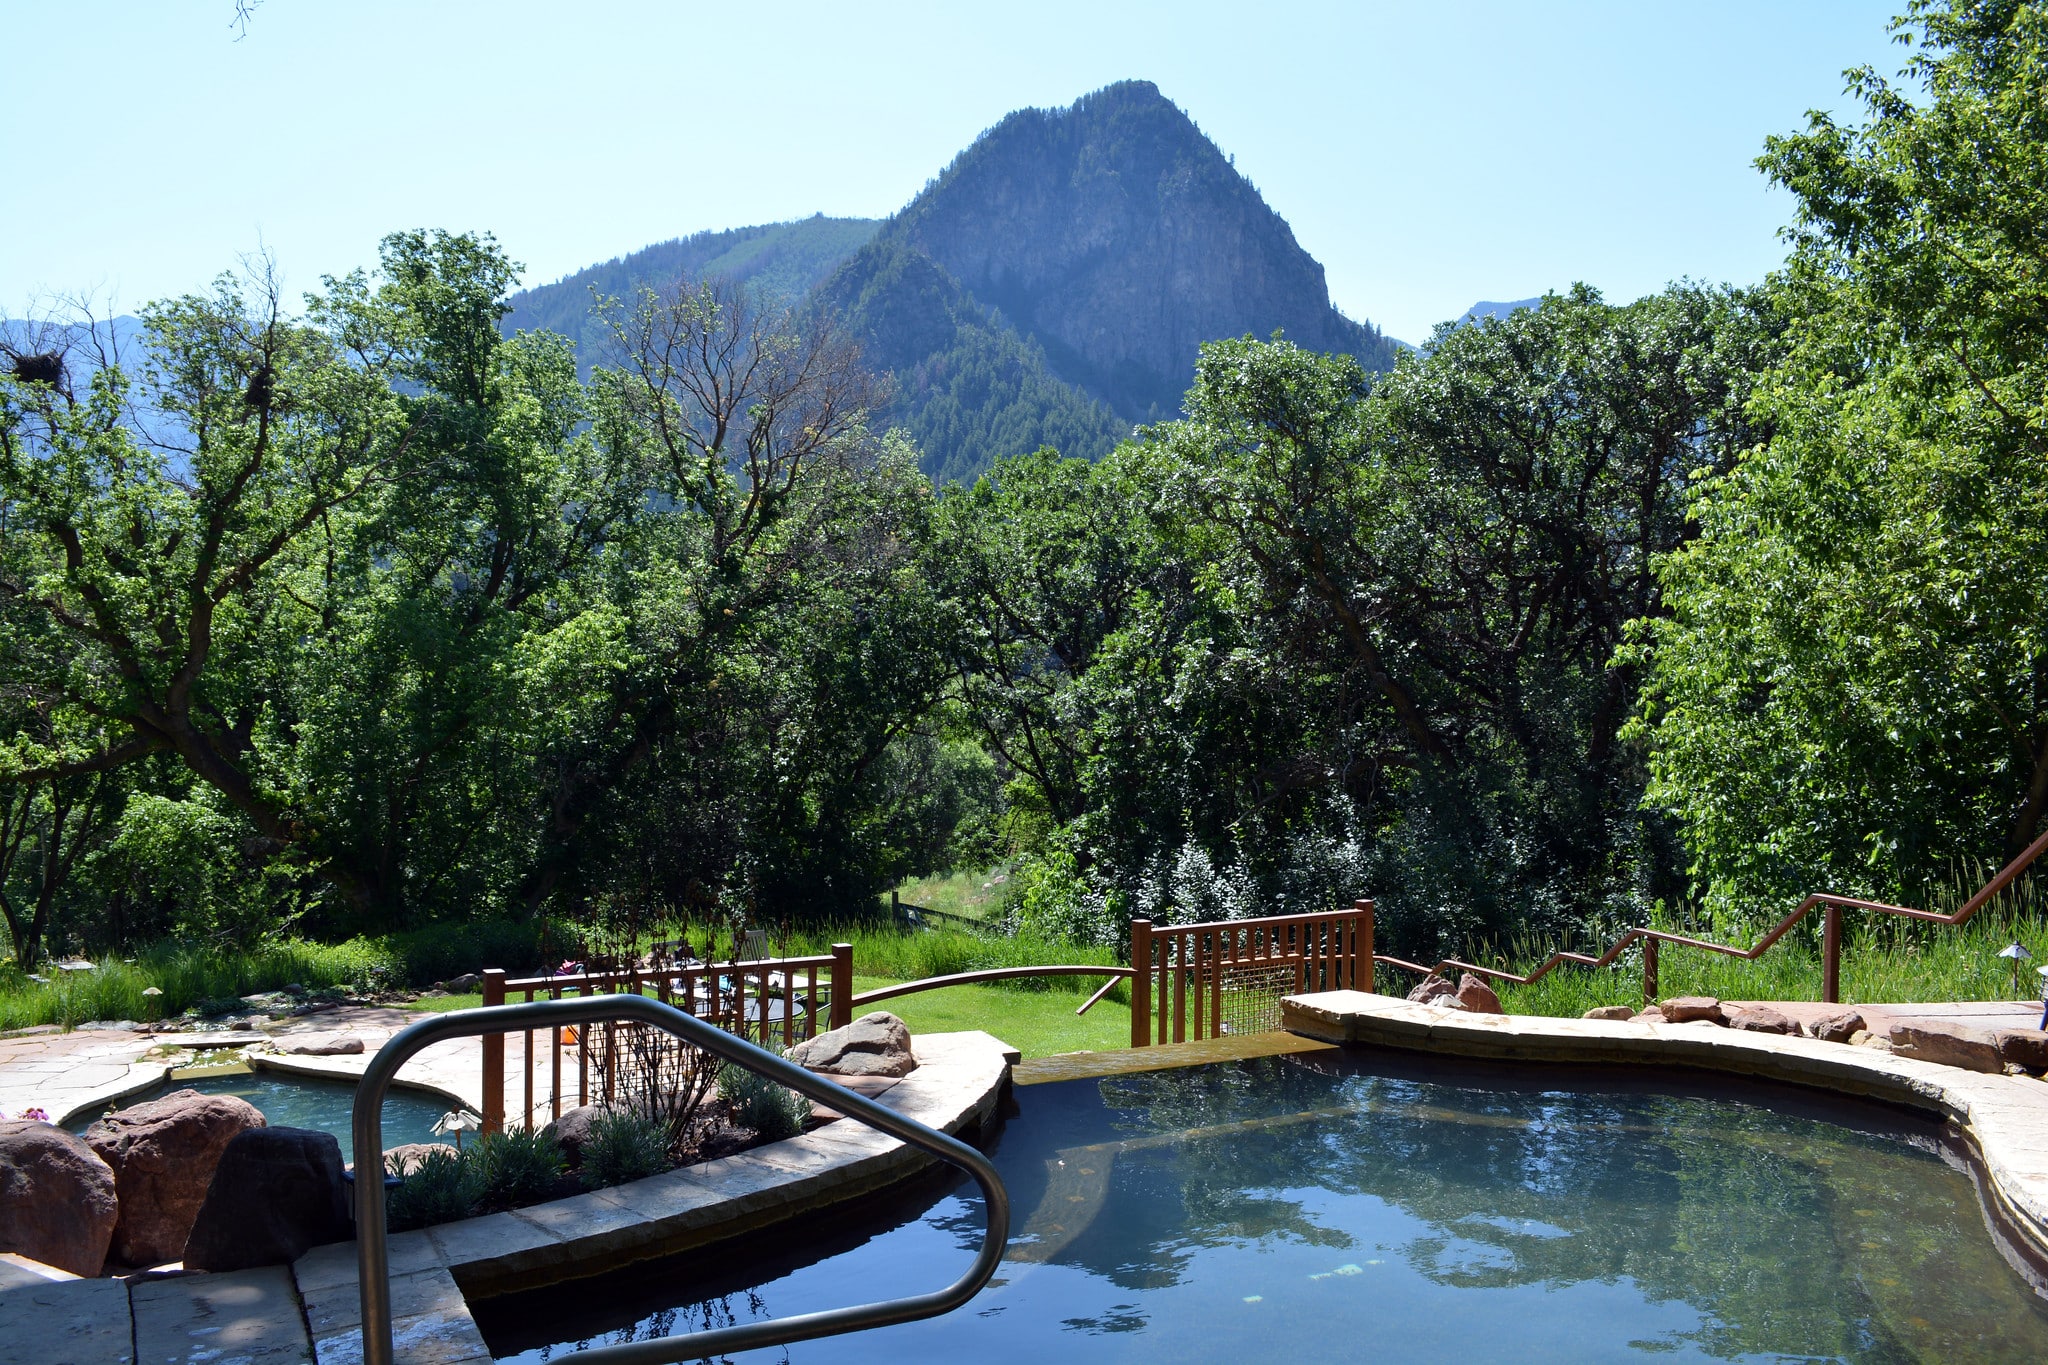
column 1430, row 155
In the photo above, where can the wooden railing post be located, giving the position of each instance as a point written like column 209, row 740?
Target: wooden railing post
column 1364, row 947
column 1649, row 972
column 494, row 1056
column 842, row 984
column 1141, row 983
column 1831, row 956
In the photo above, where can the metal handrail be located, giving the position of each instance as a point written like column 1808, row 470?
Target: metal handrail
column 1831, row 941
column 373, row 1257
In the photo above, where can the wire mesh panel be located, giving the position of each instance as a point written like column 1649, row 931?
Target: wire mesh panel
column 1251, row 996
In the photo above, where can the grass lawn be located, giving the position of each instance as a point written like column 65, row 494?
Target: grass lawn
column 1036, row 1023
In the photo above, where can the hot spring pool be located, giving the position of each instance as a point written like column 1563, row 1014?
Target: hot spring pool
column 309, row 1102
column 1343, row 1206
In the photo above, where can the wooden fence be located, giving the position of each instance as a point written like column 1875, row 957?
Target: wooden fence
column 767, row 999
column 1196, row 981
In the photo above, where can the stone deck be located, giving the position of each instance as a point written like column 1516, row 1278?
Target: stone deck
column 78, row 1074
column 310, row 1313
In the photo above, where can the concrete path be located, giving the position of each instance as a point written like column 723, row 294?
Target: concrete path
column 242, row 1317
column 78, row 1074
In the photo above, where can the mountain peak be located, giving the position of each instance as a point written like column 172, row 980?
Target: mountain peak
column 1119, row 238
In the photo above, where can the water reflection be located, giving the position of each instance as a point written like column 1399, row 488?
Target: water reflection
column 1312, row 1207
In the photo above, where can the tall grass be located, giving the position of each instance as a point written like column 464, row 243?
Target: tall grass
column 975, row 895
column 195, row 977
column 1885, row 960
column 189, row 979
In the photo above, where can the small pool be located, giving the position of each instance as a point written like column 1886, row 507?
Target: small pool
column 309, row 1102
column 1354, row 1205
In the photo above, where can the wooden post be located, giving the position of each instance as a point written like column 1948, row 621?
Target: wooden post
column 842, row 984
column 1366, row 960
column 1649, row 972
column 1831, row 956
column 1141, row 983
column 494, row 1056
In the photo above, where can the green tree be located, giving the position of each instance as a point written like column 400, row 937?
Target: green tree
column 1853, row 691
column 1429, row 579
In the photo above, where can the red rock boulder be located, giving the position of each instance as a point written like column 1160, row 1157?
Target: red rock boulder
column 1431, row 991
column 1759, row 1019
column 163, row 1155
column 1687, row 1009
column 277, row 1193
column 1839, row 1027
column 1932, row 1040
column 1476, row 997
column 2026, row 1049
column 56, row 1198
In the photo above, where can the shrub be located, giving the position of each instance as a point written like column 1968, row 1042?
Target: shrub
column 440, row 1187
column 516, row 1167
column 774, row 1111
column 624, row 1145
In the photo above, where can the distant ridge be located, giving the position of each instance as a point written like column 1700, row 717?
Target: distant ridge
column 779, row 260
column 1498, row 310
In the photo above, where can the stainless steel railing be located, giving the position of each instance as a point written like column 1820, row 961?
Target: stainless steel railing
column 372, row 1255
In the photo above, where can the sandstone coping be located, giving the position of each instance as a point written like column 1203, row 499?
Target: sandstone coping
column 138, row 1078
column 349, row 1068
column 2005, row 1117
column 434, row 1271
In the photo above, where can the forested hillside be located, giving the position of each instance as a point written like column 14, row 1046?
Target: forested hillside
column 1580, row 615
column 784, row 261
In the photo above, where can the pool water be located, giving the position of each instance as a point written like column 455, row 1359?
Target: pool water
column 1350, row 1205
column 309, row 1102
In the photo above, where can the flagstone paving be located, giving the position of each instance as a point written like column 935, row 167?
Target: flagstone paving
column 73, row 1075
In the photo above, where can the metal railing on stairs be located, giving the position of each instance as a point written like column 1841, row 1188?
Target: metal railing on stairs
column 372, row 1252
column 1831, row 905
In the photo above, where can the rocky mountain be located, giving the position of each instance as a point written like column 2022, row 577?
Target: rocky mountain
column 1053, row 285
column 1118, row 238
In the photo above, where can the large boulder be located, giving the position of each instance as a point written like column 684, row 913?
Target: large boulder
column 1432, row 990
column 1687, row 1009
column 1476, row 997
column 56, row 1197
column 573, row 1131
column 1758, row 1019
column 163, row 1154
column 1933, row 1040
column 875, row 1044
column 276, row 1194
column 1839, row 1027
column 2024, row 1048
